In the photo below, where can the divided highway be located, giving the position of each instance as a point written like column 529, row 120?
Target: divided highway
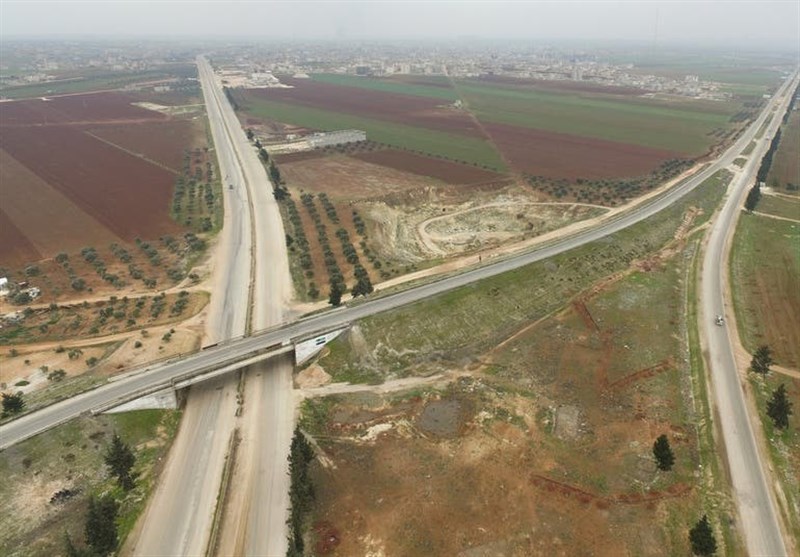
column 38, row 421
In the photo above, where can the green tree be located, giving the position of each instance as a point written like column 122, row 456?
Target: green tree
column 753, row 197
column 762, row 359
column 101, row 526
column 335, row 297
column 120, row 460
column 363, row 286
column 663, row 453
column 779, row 408
column 702, row 538
column 249, row 134
column 13, row 403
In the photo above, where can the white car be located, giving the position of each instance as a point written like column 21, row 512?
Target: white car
column 719, row 320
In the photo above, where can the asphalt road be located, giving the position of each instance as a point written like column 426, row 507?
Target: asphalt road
column 38, row 421
column 758, row 520
column 260, row 496
column 179, row 516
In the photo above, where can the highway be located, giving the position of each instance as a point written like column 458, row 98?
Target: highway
column 39, row 421
column 179, row 516
column 758, row 519
column 255, row 521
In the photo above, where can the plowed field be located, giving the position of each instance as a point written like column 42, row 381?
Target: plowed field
column 558, row 155
column 157, row 141
column 404, row 109
column 448, row 172
column 126, row 194
column 75, row 109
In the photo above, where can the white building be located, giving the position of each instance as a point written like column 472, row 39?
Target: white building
column 338, row 137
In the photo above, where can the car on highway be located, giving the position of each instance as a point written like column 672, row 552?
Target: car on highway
column 718, row 320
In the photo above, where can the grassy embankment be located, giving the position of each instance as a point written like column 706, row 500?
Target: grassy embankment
column 71, row 457
column 779, row 206
column 440, row 144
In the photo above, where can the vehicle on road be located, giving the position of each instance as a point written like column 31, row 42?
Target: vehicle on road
column 719, row 320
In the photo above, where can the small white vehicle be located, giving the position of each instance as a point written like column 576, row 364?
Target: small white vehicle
column 719, row 320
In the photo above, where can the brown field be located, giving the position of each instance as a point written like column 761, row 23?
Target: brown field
column 446, row 171
column 92, row 108
column 28, row 203
column 127, row 195
column 15, row 247
column 156, row 141
column 409, row 110
column 349, row 179
column 544, row 153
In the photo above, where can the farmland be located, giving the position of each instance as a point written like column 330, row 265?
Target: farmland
column 784, row 174
column 470, row 149
column 546, row 414
column 765, row 276
column 95, row 168
column 683, row 126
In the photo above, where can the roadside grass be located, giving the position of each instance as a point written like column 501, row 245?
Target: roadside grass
column 783, row 445
column 749, row 148
column 740, row 162
column 683, row 128
column 438, row 144
column 460, row 324
column 765, row 279
column 388, row 86
column 779, row 206
column 71, row 456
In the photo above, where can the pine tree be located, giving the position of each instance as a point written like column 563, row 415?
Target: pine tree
column 753, row 197
column 13, row 403
column 120, row 460
column 762, row 359
column 663, row 453
column 702, row 538
column 101, row 525
column 335, row 297
column 779, row 408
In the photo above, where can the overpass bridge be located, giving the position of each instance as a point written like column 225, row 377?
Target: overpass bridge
column 163, row 394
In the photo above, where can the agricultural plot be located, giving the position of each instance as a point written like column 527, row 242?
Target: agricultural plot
column 780, row 206
column 472, row 150
column 551, row 422
column 436, row 87
column 765, row 276
column 88, row 169
column 682, row 126
column 784, row 173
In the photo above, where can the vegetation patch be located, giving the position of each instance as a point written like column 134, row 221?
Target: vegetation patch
column 765, row 277
column 49, row 479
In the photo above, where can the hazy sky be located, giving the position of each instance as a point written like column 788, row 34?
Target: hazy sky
column 664, row 20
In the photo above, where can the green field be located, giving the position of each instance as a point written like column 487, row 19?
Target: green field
column 765, row 274
column 387, row 86
column 681, row 126
column 779, row 206
column 466, row 149
column 785, row 167
column 94, row 80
